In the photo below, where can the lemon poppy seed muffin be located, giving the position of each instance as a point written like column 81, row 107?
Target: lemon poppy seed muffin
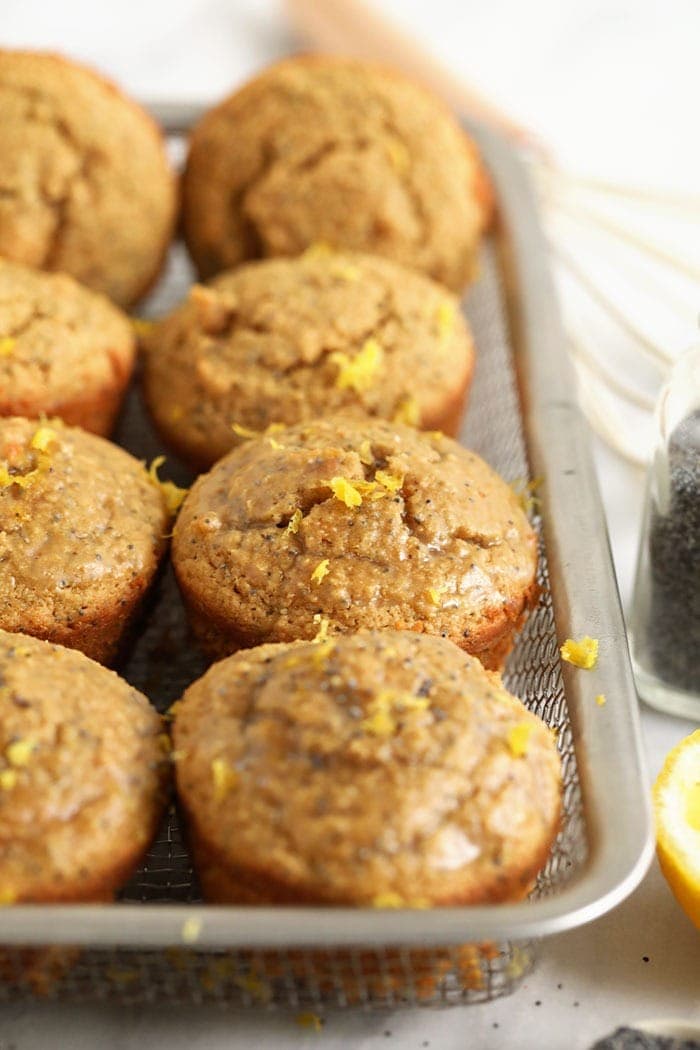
column 361, row 522
column 64, row 350
column 82, row 528
column 85, row 185
column 285, row 340
column 381, row 768
column 83, row 773
column 333, row 150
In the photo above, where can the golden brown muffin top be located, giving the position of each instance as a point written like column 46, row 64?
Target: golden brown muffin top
column 79, row 520
column 372, row 768
column 291, row 339
column 367, row 523
column 85, row 185
column 82, row 772
column 326, row 149
column 58, row 341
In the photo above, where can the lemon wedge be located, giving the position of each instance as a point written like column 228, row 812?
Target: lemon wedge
column 677, row 812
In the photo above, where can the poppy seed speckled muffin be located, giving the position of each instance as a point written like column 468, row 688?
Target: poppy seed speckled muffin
column 381, row 769
column 64, row 350
column 365, row 523
column 327, row 149
column 85, row 184
column 286, row 340
column 83, row 774
column 82, row 527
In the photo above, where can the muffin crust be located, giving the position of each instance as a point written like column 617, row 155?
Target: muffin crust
column 64, row 350
column 361, row 522
column 376, row 769
column 82, row 530
column 326, row 149
column 286, row 340
column 82, row 775
column 85, row 186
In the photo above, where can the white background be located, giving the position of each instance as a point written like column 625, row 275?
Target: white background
column 613, row 86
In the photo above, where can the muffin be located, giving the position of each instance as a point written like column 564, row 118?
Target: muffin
column 360, row 522
column 286, row 340
column 82, row 528
column 381, row 769
column 85, row 185
column 64, row 351
column 331, row 150
column 82, row 775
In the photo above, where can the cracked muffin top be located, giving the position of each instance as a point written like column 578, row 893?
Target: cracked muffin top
column 325, row 149
column 83, row 770
column 85, row 185
column 285, row 340
column 380, row 768
column 61, row 345
column 82, row 528
column 358, row 521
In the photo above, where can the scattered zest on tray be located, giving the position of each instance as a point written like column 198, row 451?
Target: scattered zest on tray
column 583, row 654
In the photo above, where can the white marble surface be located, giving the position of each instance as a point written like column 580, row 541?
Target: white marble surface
column 613, row 85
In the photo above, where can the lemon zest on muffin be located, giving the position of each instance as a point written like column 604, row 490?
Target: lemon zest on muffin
column 346, row 271
column 309, row 1020
column 445, row 317
column 7, row 896
column 224, row 778
column 436, row 435
column 322, row 633
column 318, row 250
column 43, row 437
column 601, row 700
column 295, row 521
column 20, row 751
column 7, row 345
column 346, row 491
column 391, row 482
column 365, row 453
column 172, row 494
column 398, row 154
column 518, row 738
column 8, row 779
column 244, row 432
column 358, row 373
column 142, row 326
column 320, row 572
column 583, row 654
column 247, row 433
column 526, row 493
column 407, row 412
column 381, row 720
column 191, row 929
column 435, row 594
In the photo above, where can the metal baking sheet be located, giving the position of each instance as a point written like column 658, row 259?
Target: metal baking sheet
column 524, row 420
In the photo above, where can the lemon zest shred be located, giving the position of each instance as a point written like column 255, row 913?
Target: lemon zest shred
column 445, row 317
column 320, row 572
column 172, row 494
column 7, row 896
column 601, row 700
column 20, row 752
column 365, row 453
column 318, row 250
column 8, row 779
column 435, row 594
column 322, row 633
column 407, row 412
column 295, row 521
column 345, row 491
column 7, row 345
column 518, row 738
column 583, row 654
column 358, row 373
column 391, row 482
column 388, row 900
column 224, row 778
column 382, row 710
column 244, row 432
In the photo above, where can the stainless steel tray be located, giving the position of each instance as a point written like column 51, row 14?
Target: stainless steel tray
column 160, row 942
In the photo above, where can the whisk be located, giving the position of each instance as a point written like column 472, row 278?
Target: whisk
column 612, row 246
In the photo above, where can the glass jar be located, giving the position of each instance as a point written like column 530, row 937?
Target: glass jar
column 665, row 614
